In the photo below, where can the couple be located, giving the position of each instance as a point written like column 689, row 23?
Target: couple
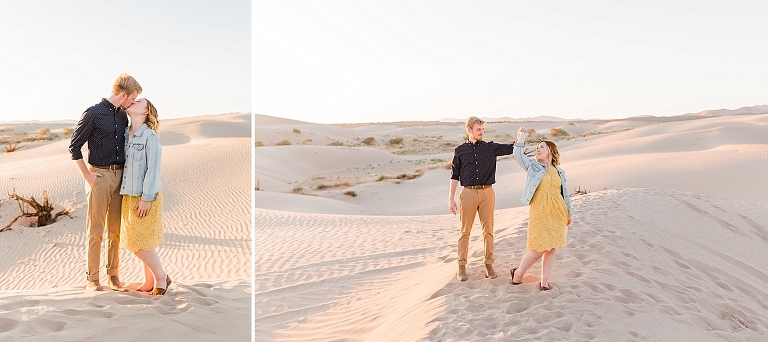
column 474, row 166
column 122, row 184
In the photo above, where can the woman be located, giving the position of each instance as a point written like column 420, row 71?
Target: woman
column 550, row 208
column 142, row 225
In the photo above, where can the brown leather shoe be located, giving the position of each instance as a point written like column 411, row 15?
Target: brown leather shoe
column 94, row 285
column 160, row 291
column 462, row 274
column 489, row 272
column 115, row 284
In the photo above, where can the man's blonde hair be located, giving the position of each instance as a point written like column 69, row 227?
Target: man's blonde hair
column 126, row 84
column 473, row 120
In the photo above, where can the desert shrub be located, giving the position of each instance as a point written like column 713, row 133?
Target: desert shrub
column 5, row 128
column 381, row 178
column 395, row 141
column 307, row 142
column 558, row 132
column 588, row 134
column 296, row 130
column 11, row 147
column 67, row 130
column 297, row 189
column 322, row 186
column 531, row 130
column 259, row 143
column 44, row 130
column 448, row 165
column 369, row 141
column 350, row 193
column 336, row 143
column 284, row 143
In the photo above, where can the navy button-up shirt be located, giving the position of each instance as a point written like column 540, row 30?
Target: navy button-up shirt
column 102, row 126
column 475, row 164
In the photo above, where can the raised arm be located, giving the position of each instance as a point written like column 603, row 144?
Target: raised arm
column 521, row 159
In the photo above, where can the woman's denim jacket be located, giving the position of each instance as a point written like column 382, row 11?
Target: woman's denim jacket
column 535, row 172
column 141, row 174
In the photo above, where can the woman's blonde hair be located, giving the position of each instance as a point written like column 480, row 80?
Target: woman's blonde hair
column 152, row 120
column 554, row 153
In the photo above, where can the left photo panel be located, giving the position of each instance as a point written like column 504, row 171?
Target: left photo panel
column 125, row 171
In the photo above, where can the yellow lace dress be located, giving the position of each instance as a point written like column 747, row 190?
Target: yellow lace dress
column 548, row 224
column 141, row 233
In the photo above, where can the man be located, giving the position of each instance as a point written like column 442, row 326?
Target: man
column 474, row 165
column 102, row 126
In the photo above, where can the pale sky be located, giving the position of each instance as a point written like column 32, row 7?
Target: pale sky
column 58, row 58
column 370, row 61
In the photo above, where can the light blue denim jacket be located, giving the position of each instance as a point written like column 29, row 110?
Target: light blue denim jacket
column 535, row 172
column 141, row 174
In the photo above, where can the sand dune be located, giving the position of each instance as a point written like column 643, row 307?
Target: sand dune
column 640, row 264
column 206, row 249
column 667, row 245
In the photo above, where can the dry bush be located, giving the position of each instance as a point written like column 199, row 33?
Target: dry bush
column 259, row 143
column 531, row 130
column 337, row 184
column 350, row 193
column 395, row 141
column 381, row 178
column 448, row 165
column 336, row 143
column 558, row 132
column 588, row 134
column 297, row 190
column 6, row 128
column 284, row 143
column 44, row 130
column 580, row 191
column 307, row 142
column 43, row 212
column 297, row 131
column 369, row 141
column 11, row 147
column 67, row 130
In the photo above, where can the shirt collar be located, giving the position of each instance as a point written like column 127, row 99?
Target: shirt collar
column 109, row 105
column 139, row 132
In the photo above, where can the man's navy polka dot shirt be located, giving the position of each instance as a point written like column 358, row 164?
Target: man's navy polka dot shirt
column 102, row 126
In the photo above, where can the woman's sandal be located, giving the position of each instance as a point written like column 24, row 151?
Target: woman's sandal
column 512, row 271
column 160, row 291
column 544, row 288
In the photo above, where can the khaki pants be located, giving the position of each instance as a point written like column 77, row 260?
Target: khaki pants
column 104, row 205
column 471, row 202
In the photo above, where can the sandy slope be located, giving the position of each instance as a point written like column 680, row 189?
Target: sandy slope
column 640, row 264
column 205, row 175
column 672, row 249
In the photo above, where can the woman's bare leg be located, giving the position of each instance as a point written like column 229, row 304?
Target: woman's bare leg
column 526, row 262
column 546, row 266
column 152, row 260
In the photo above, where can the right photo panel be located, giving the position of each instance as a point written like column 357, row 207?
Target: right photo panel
column 510, row 171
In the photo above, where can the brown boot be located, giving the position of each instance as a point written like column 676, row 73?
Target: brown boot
column 462, row 274
column 115, row 284
column 94, row 285
column 489, row 272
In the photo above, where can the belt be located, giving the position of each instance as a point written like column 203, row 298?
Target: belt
column 110, row 167
column 478, row 187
